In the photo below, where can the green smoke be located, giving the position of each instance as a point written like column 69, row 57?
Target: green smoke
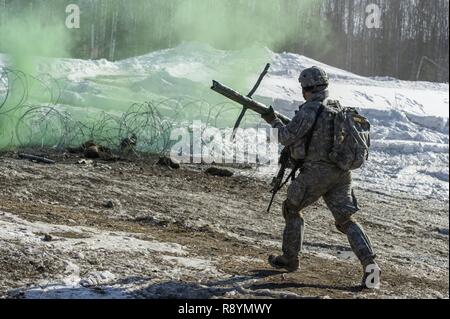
column 116, row 29
column 25, row 36
column 120, row 28
column 32, row 33
column 236, row 24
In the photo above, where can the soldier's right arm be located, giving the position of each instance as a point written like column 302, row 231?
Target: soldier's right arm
column 298, row 128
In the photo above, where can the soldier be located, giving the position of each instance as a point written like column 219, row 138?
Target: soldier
column 319, row 176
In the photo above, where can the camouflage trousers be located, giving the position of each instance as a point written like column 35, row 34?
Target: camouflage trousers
column 318, row 180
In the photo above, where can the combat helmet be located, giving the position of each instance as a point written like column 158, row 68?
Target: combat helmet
column 314, row 77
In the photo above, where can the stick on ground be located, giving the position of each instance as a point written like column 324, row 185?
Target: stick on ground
column 38, row 159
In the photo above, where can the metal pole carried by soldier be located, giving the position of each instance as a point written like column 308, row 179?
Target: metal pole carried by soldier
column 323, row 139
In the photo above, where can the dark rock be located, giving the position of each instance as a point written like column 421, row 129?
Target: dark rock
column 92, row 152
column 47, row 238
column 168, row 162
column 40, row 269
column 109, row 204
column 214, row 171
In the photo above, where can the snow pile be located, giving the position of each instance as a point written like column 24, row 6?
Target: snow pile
column 410, row 119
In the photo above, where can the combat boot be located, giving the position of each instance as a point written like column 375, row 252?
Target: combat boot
column 283, row 262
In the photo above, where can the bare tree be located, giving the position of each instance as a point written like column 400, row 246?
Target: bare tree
column 333, row 31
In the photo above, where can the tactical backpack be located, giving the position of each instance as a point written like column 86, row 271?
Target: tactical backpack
column 351, row 138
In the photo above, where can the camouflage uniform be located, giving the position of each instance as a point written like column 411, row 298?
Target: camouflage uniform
column 319, row 177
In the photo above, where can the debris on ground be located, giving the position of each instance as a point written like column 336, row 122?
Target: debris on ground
column 221, row 172
column 47, row 237
column 168, row 162
column 92, row 150
column 34, row 158
column 109, row 204
column 85, row 162
column 128, row 145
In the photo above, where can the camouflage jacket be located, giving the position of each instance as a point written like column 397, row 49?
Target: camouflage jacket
column 294, row 134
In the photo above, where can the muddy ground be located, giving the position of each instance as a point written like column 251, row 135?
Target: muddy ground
column 133, row 229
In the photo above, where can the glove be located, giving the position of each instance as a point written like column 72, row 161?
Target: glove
column 270, row 116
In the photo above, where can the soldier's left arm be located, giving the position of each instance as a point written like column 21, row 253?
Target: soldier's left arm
column 299, row 127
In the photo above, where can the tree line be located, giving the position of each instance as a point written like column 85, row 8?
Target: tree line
column 410, row 41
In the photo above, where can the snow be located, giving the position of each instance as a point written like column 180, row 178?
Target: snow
column 171, row 260
column 15, row 228
column 410, row 119
column 194, row 263
column 357, row 91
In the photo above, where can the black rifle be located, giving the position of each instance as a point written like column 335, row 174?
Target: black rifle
column 278, row 182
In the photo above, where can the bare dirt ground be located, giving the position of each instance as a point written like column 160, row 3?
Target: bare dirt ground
column 132, row 229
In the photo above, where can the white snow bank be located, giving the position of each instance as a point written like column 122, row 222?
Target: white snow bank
column 409, row 118
column 357, row 91
column 201, row 63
